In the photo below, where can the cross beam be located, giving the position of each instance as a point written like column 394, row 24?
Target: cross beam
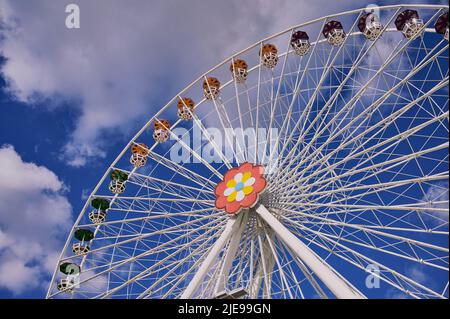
column 328, row 276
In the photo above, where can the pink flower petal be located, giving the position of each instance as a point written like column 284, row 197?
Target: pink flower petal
column 221, row 202
column 249, row 200
column 259, row 185
column 232, row 208
column 257, row 170
column 245, row 167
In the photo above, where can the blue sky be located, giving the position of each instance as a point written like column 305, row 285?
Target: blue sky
column 71, row 99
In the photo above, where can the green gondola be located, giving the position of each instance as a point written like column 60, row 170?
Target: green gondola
column 100, row 203
column 69, row 268
column 120, row 176
column 84, row 235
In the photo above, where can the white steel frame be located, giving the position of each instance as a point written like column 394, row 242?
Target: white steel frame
column 293, row 222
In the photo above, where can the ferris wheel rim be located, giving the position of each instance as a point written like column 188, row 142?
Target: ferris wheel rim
column 203, row 76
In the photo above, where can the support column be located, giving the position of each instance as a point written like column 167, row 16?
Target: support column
column 326, row 274
column 231, row 226
column 230, row 254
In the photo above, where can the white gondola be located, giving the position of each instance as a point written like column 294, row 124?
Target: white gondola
column 300, row 43
column 269, row 55
column 161, row 131
column 409, row 23
column 239, row 71
column 185, row 108
column 80, row 249
column 138, row 160
column 334, row 33
column 412, row 28
column 116, row 186
column 369, row 24
column 97, row 217
column 66, row 285
column 139, row 154
column 211, row 88
column 442, row 24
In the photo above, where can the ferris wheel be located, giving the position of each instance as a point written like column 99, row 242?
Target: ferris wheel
column 312, row 164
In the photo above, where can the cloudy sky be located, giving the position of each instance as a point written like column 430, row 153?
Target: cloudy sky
column 71, row 98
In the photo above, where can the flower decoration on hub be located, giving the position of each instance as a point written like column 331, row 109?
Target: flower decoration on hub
column 240, row 188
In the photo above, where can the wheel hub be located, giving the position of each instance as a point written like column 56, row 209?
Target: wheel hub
column 240, row 188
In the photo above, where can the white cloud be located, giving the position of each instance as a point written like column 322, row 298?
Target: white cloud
column 125, row 58
column 34, row 218
column 85, row 192
column 417, row 274
column 16, row 276
column 437, row 196
column 130, row 57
